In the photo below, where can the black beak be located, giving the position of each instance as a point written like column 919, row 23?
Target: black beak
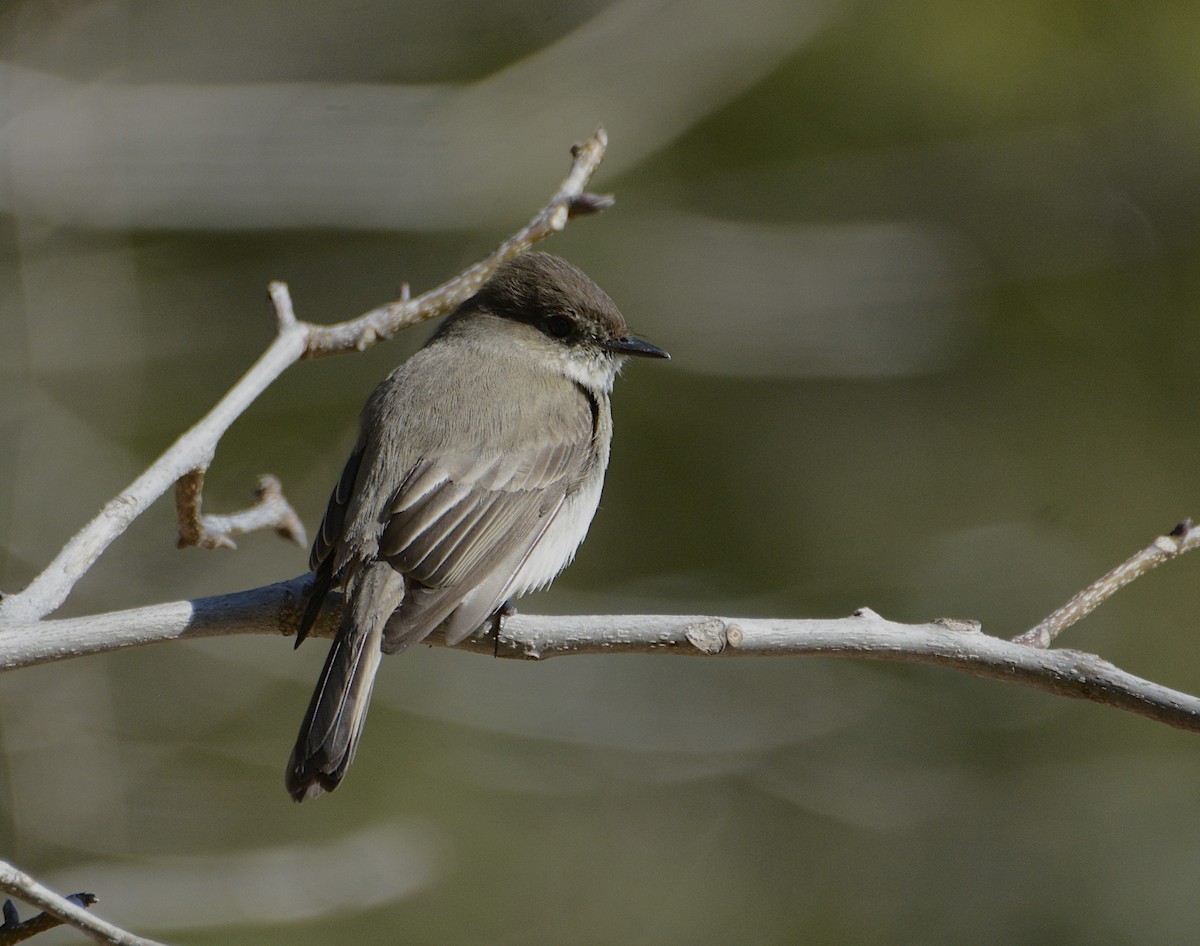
column 629, row 345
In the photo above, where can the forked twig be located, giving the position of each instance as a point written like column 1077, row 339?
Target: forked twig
column 1183, row 538
column 272, row 511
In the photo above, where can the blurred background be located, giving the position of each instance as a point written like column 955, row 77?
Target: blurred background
column 928, row 270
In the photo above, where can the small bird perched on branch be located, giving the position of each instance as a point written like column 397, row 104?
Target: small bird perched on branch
column 477, row 471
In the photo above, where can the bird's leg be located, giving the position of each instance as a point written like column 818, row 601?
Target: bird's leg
column 507, row 609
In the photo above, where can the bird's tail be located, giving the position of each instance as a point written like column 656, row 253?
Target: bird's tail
column 338, row 709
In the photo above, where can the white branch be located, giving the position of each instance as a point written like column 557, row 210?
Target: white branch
column 275, row 609
column 21, row 885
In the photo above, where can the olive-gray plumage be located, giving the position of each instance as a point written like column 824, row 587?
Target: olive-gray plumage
column 477, row 471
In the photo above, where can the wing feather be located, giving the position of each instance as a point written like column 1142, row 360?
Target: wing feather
column 442, row 539
column 334, row 520
column 462, row 542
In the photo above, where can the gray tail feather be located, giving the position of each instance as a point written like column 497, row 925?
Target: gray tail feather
column 329, row 734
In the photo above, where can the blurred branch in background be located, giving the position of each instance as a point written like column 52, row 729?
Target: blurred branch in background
column 364, row 868
column 186, row 459
column 153, row 153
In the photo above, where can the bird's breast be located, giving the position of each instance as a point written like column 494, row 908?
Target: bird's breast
column 556, row 549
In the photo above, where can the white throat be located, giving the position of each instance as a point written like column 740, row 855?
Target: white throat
column 596, row 372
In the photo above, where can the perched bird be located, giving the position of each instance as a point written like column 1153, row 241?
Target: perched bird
column 477, row 471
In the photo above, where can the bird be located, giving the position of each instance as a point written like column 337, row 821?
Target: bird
column 477, row 470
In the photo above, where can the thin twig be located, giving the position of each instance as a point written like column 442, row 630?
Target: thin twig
column 960, row 645
column 189, row 494
column 1183, row 538
column 272, row 511
column 21, row 885
column 194, row 450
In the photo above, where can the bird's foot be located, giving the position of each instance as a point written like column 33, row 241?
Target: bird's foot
column 505, row 610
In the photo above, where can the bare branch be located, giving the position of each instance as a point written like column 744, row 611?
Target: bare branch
column 21, row 885
column 189, row 490
column 1183, row 538
column 191, row 454
column 960, row 645
column 281, row 300
column 272, row 511
column 14, row 931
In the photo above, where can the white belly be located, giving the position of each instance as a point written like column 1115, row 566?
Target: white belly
column 562, row 539
column 558, row 546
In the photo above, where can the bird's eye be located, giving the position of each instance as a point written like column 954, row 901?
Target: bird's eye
column 559, row 326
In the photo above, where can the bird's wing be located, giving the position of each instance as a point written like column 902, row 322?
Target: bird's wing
column 462, row 524
column 322, row 558
column 332, row 524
